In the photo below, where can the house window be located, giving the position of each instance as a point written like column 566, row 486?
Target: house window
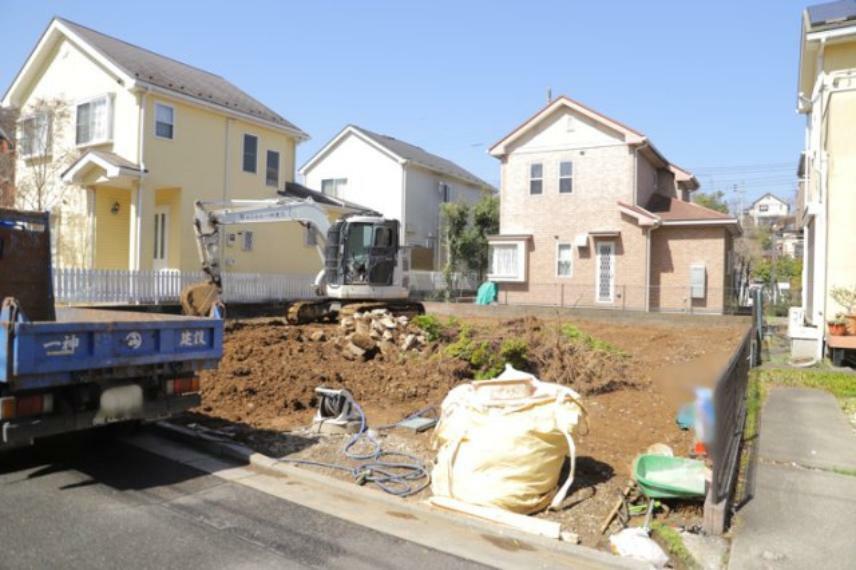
column 566, row 177
column 94, row 121
column 164, row 121
column 564, row 260
column 333, row 186
column 445, row 192
column 536, row 178
column 34, row 135
column 251, row 151
column 763, row 208
column 272, row 169
column 503, row 260
column 247, row 242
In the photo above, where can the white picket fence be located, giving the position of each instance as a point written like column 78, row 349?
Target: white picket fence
column 73, row 286
column 157, row 287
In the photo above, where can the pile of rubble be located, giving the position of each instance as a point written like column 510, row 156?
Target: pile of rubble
column 366, row 334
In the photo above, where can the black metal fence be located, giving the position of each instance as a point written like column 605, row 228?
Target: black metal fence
column 729, row 400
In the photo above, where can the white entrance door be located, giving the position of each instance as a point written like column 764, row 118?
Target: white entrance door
column 605, row 267
column 161, row 251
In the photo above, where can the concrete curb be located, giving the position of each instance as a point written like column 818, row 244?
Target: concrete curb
column 588, row 557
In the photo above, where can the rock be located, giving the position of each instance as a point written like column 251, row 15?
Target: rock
column 403, row 320
column 388, row 323
column 318, row 336
column 375, row 334
column 387, row 335
column 421, row 339
column 386, row 347
column 362, row 346
column 377, row 325
column 363, row 326
column 409, row 342
column 380, row 312
column 363, row 341
column 347, row 323
column 568, row 536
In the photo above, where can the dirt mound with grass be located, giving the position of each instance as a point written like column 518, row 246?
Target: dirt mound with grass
column 270, row 369
column 628, row 373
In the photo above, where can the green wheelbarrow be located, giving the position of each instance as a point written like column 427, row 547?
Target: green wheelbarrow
column 663, row 477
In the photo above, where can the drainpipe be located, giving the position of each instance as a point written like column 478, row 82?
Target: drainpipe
column 648, row 268
column 227, row 171
column 636, row 150
column 404, row 203
column 138, row 222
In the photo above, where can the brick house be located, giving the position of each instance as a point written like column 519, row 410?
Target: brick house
column 592, row 214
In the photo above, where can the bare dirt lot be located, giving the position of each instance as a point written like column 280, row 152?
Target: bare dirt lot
column 632, row 377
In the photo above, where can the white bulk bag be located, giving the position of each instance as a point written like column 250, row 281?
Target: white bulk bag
column 502, row 442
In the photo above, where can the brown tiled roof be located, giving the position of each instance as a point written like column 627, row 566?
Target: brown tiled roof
column 672, row 209
column 176, row 76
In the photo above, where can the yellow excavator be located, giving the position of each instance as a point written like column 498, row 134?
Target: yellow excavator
column 365, row 268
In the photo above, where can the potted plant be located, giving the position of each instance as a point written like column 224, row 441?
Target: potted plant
column 846, row 297
column 837, row 326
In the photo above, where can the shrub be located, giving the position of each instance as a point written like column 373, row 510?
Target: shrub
column 575, row 335
column 430, row 325
column 514, row 351
column 463, row 347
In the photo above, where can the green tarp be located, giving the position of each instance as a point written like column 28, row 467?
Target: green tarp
column 487, row 293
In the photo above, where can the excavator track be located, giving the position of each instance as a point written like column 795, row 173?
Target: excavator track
column 305, row 312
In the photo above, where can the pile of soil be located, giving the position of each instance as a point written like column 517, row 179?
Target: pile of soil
column 263, row 392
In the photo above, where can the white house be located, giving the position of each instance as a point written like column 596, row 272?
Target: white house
column 397, row 179
column 768, row 209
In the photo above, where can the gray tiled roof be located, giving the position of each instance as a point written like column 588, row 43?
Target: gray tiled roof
column 420, row 156
column 175, row 76
column 831, row 13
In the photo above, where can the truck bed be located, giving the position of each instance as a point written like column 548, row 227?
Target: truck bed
column 83, row 341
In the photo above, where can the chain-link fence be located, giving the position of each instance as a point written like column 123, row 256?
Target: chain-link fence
column 622, row 297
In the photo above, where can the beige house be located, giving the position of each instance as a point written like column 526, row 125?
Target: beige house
column 130, row 139
column 826, row 95
column 592, row 214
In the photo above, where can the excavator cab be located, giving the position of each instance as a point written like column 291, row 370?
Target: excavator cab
column 362, row 251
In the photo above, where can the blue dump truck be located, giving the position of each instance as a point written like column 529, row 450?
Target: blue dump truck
column 66, row 369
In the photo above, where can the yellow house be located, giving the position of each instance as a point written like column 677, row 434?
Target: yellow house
column 826, row 95
column 119, row 142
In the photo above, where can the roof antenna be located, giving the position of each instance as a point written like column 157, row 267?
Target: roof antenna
column 549, row 95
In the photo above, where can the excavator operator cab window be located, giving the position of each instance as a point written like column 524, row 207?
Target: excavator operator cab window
column 370, row 253
column 383, row 237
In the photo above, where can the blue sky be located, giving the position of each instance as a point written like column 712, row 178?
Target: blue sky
column 712, row 83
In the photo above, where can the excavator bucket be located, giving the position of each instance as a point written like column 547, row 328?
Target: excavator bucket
column 198, row 299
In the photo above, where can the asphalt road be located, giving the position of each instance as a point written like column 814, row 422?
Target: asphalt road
column 91, row 501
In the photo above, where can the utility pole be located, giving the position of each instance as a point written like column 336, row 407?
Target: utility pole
column 740, row 192
column 549, row 95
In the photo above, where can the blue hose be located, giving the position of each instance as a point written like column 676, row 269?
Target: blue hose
column 400, row 478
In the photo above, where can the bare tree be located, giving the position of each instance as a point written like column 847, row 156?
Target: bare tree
column 44, row 153
column 46, row 148
column 7, row 158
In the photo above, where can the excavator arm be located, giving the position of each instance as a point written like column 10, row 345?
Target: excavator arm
column 210, row 217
